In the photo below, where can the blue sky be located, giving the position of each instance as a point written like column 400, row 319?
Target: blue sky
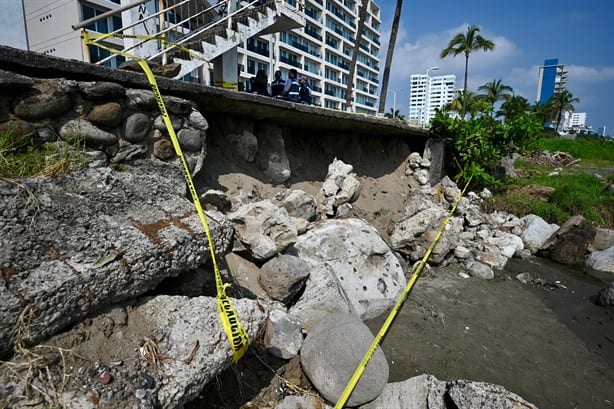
column 525, row 33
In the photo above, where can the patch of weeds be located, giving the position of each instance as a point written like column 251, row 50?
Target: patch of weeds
column 587, row 149
column 20, row 158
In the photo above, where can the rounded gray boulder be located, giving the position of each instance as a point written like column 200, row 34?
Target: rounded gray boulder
column 332, row 351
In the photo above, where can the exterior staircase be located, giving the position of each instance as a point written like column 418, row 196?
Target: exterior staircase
column 220, row 36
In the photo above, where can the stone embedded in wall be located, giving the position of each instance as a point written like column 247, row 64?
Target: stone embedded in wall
column 176, row 122
column 140, row 99
column 107, row 115
column 136, row 127
column 178, row 106
column 163, row 149
column 78, row 128
column 102, row 91
column 198, row 121
column 271, row 157
column 45, row 100
column 190, row 140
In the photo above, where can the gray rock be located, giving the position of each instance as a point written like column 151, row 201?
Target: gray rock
column 468, row 394
column 331, row 352
column 283, row 337
column 140, row 99
column 79, row 128
column 300, row 204
column 422, row 176
column 108, row 115
column 602, row 261
column 606, row 295
column 283, row 277
column 323, row 295
column 178, row 106
column 245, row 276
column 198, row 121
column 492, row 257
column 604, row 238
column 190, row 140
column 508, row 243
column 264, row 228
column 102, row 91
column 101, row 234
column 364, row 265
column 414, row 160
column 419, row 392
column 129, row 152
column 408, row 229
column 136, row 127
column 271, row 157
column 536, row 232
column 340, row 186
column 462, row 252
column 176, row 122
column 480, row 270
column 417, row 202
column 427, row 392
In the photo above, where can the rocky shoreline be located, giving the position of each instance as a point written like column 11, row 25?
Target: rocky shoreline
column 108, row 300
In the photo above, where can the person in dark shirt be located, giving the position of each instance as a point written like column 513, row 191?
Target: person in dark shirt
column 292, row 86
column 260, row 85
column 304, row 92
column 277, row 85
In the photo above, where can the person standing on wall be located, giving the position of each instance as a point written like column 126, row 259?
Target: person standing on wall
column 304, row 92
column 291, row 89
column 277, row 85
column 260, row 85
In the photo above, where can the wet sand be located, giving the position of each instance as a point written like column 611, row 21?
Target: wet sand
column 553, row 347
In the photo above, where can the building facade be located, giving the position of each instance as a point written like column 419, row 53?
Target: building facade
column 427, row 94
column 320, row 51
column 552, row 79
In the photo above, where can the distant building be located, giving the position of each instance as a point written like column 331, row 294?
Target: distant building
column 428, row 94
column 552, row 79
column 577, row 120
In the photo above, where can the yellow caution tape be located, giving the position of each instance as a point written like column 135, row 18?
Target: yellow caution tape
column 227, row 85
column 349, row 388
column 236, row 333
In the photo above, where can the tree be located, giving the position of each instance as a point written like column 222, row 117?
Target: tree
column 562, row 101
column 467, row 103
column 362, row 16
column 514, row 107
column 466, row 43
column 391, row 44
column 395, row 115
column 495, row 91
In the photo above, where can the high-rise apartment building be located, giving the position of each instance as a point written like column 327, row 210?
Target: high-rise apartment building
column 552, row 79
column 577, row 120
column 321, row 50
column 428, row 94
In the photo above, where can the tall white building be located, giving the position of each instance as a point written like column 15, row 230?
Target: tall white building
column 427, row 94
column 320, row 51
column 577, row 120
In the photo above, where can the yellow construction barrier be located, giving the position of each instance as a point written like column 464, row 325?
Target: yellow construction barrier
column 236, row 333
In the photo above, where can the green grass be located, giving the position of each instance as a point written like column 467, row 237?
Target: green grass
column 578, row 191
column 587, row 149
column 21, row 158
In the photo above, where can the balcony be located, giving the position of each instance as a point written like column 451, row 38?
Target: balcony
column 313, row 33
column 291, row 61
column 264, row 51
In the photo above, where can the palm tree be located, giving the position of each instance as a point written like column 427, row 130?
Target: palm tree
column 466, row 43
column 391, row 44
column 462, row 103
column 362, row 16
column 514, row 107
column 495, row 91
column 562, row 101
column 395, row 115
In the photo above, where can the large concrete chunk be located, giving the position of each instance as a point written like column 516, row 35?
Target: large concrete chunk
column 89, row 239
column 367, row 270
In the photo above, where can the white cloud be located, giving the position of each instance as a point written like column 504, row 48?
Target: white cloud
column 415, row 57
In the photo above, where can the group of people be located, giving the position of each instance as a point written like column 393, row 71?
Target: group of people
column 291, row 89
